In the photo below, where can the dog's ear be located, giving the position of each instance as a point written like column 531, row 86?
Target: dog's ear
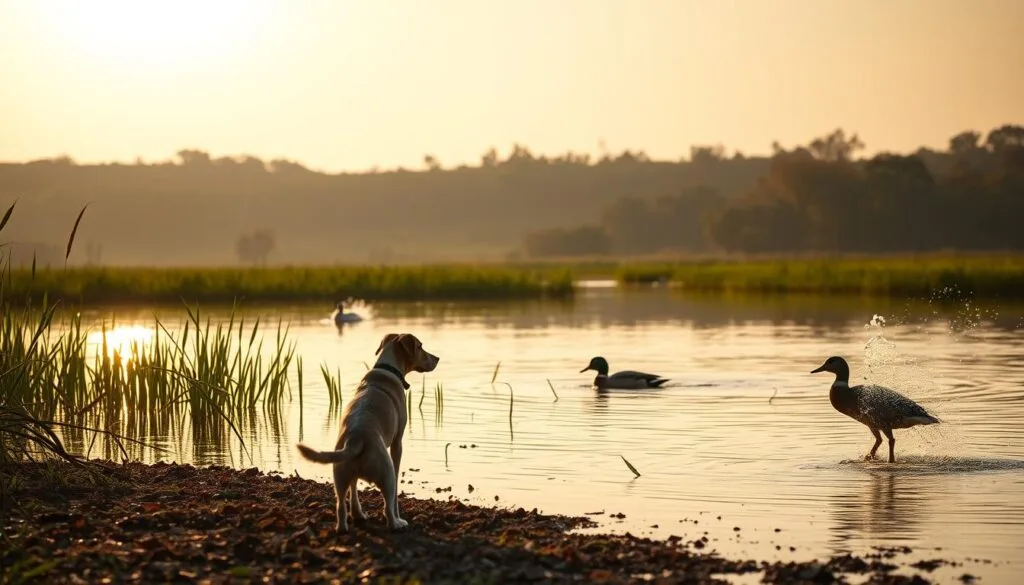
column 387, row 339
column 409, row 344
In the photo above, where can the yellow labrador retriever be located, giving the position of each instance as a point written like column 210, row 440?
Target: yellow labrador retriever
column 373, row 422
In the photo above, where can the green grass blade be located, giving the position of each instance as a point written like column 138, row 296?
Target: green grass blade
column 74, row 230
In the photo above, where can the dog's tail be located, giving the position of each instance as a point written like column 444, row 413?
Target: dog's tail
column 350, row 450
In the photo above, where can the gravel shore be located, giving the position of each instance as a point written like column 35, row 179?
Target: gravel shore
column 137, row 523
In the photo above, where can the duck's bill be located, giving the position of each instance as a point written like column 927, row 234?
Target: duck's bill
column 820, row 368
column 584, row 370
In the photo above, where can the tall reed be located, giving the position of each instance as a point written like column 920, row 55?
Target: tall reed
column 56, row 389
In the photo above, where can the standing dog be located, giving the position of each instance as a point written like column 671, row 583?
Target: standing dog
column 373, row 422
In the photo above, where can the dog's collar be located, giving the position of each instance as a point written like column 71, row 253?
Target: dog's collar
column 395, row 371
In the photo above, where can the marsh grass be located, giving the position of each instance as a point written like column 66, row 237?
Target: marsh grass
column 25, row 434
column 980, row 276
column 439, row 403
column 215, row 377
column 423, row 393
column 322, row 283
column 59, row 396
column 333, row 383
column 511, row 405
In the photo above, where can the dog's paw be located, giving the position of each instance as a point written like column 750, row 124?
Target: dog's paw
column 341, row 528
column 399, row 524
column 360, row 517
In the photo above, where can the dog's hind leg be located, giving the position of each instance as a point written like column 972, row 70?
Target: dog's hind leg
column 358, row 515
column 343, row 478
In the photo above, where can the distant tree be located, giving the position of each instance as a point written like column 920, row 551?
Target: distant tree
column 965, row 142
column 430, row 161
column 520, row 154
column 489, row 159
column 707, row 154
column 255, row 248
column 194, row 157
column 900, row 201
column 283, row 166
column 836, row 147
column 252, row 164
column 588, row 240
column 1005, row 138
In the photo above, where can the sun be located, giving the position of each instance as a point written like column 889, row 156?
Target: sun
column 155, row 33
column 123, row 339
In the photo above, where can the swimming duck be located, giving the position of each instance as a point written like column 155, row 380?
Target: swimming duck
column 876, row 407
column 624, row 380
column 341, row 317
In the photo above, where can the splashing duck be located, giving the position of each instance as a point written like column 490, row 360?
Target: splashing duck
column 341, row 317
column 876, row 407
column 624, row 380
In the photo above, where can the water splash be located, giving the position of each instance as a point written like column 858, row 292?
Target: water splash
column 933, row 465
column 960, row 311
column 885, row 365
column 361, row 308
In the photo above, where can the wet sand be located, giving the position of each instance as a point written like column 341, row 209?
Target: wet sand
column 137, row 523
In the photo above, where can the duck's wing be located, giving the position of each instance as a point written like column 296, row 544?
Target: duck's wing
column 890, row 408
column 635, row 375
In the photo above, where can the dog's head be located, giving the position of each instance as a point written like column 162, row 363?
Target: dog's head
column 409, row 353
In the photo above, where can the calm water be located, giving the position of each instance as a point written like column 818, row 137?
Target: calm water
column 715, row 450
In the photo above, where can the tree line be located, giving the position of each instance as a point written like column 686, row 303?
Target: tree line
column 195, row 209
column 820, row 198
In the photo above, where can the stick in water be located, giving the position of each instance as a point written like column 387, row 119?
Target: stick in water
column 630, row 466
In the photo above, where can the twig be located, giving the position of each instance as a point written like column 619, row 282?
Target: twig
column 631, row 468
column 550, row 385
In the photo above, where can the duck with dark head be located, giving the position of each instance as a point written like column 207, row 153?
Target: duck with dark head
column 879, row 408
column 624, row 380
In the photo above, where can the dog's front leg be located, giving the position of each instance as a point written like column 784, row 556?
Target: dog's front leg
column 396, row 460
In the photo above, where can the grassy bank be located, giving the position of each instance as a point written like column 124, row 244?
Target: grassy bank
column 924, row 276
column 213, row 285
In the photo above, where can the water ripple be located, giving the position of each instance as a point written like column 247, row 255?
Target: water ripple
column 743, row 431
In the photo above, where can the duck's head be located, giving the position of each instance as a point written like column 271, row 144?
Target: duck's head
column 836, row 365
column 598, row 364
column 340, row 306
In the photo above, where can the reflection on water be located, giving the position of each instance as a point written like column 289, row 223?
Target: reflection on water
column 742, row 437
column 125, row 340
column 883, row 504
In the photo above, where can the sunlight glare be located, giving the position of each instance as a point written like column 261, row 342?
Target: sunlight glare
column 160, row 34
column 121, row 338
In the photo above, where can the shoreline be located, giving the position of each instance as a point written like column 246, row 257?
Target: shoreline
column 994, row 277
column 168, row 522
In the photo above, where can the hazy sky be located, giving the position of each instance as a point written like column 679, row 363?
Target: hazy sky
column 352, row 84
